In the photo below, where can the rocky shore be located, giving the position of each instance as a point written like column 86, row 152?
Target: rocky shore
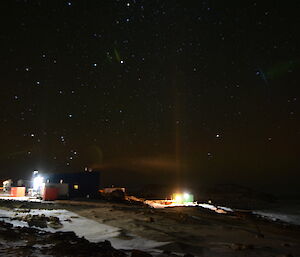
column 24, row 241
column 183, row 231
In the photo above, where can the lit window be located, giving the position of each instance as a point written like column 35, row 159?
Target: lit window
column 76, row 187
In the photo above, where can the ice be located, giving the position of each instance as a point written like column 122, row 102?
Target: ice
column 83, row 227
column 289, row 218
column 136, row 243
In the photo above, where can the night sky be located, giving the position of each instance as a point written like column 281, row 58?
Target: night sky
column 199, row 91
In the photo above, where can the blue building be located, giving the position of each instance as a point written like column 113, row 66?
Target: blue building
column 81, row 184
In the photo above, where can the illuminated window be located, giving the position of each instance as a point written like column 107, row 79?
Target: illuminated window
column 76, row 186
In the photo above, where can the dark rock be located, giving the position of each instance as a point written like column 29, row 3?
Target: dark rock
column 39, row 221
column 53, row 244
column 55, row 225
column 5, row 225
column 116, row 196
column 58, row 236
column 53, row 219
column 149, row 219
column 54, row 222
column 240, row 247
column 259, row 235
column 188, row 255
column 105, row 245
column 8, row 234
column 138, row 253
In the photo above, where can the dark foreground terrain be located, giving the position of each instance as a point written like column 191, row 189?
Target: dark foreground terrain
column 197, row 231
column 24, row 241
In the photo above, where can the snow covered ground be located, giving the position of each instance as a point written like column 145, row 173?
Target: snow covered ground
column 287, row 216
column 83, row 227
column 275, row 215
column 24, row 198
column 162, row 204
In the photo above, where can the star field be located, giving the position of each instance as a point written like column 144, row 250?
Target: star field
column 210, row 85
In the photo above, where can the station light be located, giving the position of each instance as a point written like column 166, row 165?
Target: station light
column 183, row 198
column 38, row 182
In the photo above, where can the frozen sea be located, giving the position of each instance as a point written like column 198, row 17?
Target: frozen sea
column 285, row 210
